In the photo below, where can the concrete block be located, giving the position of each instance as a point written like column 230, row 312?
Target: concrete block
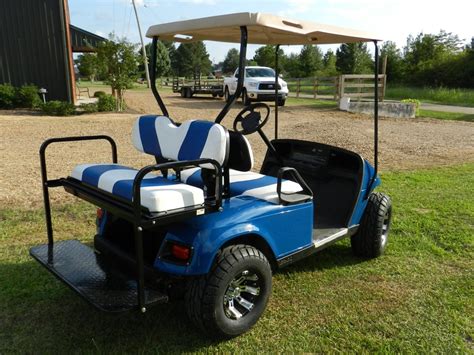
column 386, row 109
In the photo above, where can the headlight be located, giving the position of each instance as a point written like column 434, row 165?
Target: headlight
column 283, row 85
column 253, row 84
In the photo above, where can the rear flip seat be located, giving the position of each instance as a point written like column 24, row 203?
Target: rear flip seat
column 158, row 194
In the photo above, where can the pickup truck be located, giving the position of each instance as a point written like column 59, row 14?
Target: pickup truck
column 259, row 85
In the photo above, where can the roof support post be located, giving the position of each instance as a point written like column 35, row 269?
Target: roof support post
column 376, row 119
column 376, row 108
column 240, row 79
column 153, row 78
column 277, row 48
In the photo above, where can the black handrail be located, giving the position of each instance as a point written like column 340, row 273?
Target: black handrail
column 137, row 208
column 44, row 175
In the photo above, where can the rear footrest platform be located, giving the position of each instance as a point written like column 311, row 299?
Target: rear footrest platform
column 92, row 276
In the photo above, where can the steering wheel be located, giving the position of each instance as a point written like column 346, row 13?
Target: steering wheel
column 249, row 120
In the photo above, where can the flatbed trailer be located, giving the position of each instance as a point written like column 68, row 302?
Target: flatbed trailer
column 190, row 87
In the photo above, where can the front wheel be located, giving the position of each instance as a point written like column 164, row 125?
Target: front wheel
column 281, row 102
column 226, row 94
column 372, row 237
column 245, row 98
column 231, row 298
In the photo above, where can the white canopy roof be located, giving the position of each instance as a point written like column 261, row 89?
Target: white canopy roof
column 262, row 29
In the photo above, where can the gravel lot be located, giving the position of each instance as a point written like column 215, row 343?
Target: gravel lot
column 404, row 144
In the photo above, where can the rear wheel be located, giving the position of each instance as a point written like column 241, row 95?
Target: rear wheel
column 372, row 237
column 231, row 298
column 183, row 92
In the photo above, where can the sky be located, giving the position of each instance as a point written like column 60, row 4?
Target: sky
column 390, row 20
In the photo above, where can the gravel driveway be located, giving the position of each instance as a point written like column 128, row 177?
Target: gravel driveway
column 404, row 143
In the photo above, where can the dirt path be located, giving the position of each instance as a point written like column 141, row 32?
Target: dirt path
column 404, row 144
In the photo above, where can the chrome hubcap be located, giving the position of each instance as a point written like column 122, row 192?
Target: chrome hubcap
column 241, row 295
column 385, row 227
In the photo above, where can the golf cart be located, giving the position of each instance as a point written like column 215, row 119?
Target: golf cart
column 199, row 222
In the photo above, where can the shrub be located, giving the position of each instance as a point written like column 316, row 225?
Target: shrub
column 107, row 103
column 27, row 96
column 99, row 93
column 7, row 96
column 58, row 108
column 413, row 101
column 89, row 108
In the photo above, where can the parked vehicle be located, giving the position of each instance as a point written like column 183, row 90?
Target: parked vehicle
column 259, row 85
column 187, row 88
column 200, row 223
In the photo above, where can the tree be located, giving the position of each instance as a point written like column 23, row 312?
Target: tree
column 231, row 61
column 329, row 63
column 163, row 61
column 310, row 60
column 191, row 58
column 424, row 55
column 120, row 63
column 265, row 56
column 88, row 65
column 394, row 61
column 292, row 66
column 353, row 58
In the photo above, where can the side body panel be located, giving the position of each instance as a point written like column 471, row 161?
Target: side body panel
column 286, row 229
column 361, row 203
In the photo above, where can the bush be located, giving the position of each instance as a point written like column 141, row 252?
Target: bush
column 413, row 101
column 7, row 96
column 99, row 93
column 89, row 108
column 27, row 97
column 107, row 103
column 58, row 108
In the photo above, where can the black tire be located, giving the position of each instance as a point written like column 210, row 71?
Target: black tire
column 183, row 92
column 245, row 98
column 226, row 94
column 371, row 239
column 281, row 102
column 207, row 297
column 214, row 95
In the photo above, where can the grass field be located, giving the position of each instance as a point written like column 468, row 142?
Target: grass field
column 417, row 298
column 446, row 96
column 455, row 116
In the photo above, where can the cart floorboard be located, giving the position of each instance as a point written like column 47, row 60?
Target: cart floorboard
column 92, row 277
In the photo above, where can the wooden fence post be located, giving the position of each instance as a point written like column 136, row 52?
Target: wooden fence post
column 315, row 88
column 298, row 87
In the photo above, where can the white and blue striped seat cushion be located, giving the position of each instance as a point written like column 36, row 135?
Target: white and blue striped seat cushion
column 157, row 193
column 246, row 183
column 159, row 136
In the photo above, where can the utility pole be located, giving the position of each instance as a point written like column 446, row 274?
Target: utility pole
column 145, row 60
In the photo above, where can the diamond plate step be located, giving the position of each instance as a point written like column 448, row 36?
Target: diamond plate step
column 89, row 274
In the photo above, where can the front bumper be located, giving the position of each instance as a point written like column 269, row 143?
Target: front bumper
column 267, row 96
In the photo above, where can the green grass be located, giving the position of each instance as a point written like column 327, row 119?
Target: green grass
column 445, row 96
column 417, row 298
column 454, row 116
column 319, row 104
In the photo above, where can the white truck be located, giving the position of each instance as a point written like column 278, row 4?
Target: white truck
column 259, row 85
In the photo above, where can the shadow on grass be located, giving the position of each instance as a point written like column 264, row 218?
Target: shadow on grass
column 335, row 256
column 48, row 317
column 40, row 314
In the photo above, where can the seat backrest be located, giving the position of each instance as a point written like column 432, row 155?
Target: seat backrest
column 160, row 137
column 240, row 155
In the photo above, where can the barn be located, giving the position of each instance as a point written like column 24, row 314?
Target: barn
column 37, row 43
